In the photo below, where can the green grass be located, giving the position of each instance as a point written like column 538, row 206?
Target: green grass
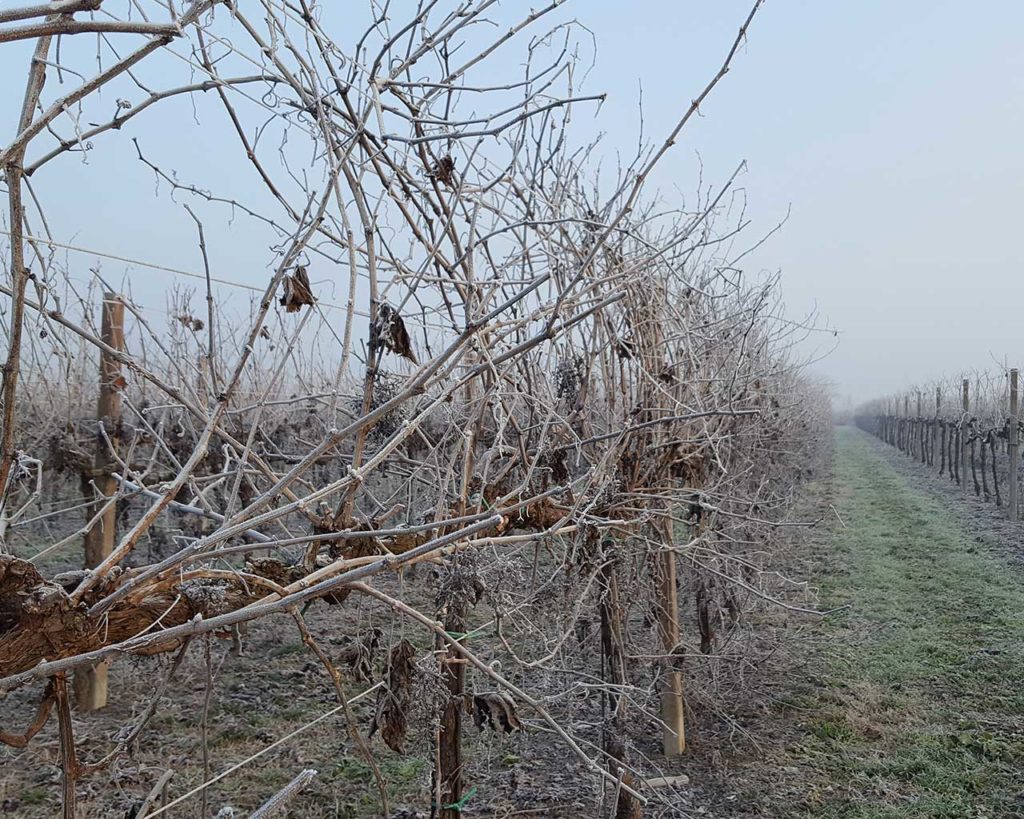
column 922, row 714
column 34, row 796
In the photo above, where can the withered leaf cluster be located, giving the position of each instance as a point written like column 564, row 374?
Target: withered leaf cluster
column 359, row 654
column 191, row 322
column 392, row 713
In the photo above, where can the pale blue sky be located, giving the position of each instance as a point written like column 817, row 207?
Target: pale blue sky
column 892, row 128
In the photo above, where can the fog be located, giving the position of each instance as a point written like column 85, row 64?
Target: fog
column 892, row 130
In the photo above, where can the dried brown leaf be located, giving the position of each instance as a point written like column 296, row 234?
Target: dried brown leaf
column 443, row 171
column 496, row 710
column 360, row 654
column 297, row 292
column 625, row 348
column 394, row 700
column 389, row 332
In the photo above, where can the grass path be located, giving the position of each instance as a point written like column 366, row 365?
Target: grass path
column 922, row 709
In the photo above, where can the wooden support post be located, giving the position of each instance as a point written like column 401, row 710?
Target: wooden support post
column 894, row 423
column 91, row 683
column 906, row 424
column 963, row 434
column 923, row 437
column 613, row 670
column 922, row 433
column 448, row 773
column 1013, row 445
column 672, row 701
column 68, row 756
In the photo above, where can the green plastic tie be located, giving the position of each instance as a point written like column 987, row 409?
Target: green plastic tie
column 458, row 806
